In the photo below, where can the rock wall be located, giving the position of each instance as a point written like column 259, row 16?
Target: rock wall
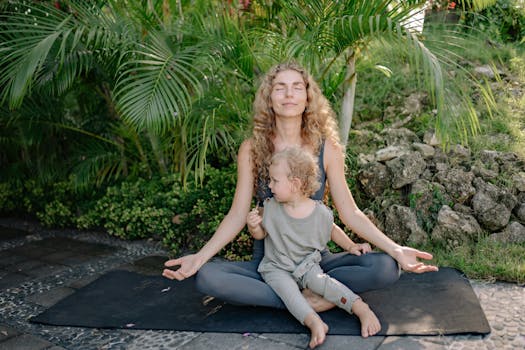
column 418, row 191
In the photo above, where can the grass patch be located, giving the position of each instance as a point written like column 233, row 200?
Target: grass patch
column 484, row 260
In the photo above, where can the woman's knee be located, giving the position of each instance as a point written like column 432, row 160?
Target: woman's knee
column 207, row 279
column 385, row 270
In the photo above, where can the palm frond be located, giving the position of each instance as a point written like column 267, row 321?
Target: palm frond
column 49, row 49
column 157, row 84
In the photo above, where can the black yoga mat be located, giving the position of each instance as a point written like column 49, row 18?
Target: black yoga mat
column 433, row 303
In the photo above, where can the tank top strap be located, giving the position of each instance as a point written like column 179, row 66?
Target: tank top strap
column 322, row 174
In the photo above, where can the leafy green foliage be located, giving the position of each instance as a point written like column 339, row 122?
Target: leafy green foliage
column 8, row 195
column 54, row 204
column 135, row 209
column 201, row 209
column 503, row 22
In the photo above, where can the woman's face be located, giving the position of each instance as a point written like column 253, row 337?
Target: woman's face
column 288, row 97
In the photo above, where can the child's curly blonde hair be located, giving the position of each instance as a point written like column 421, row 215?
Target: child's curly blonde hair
column 318, row 124
column 303, row 166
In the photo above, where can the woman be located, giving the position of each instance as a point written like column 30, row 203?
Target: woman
column 290, row 110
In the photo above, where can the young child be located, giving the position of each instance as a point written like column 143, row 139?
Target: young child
column 296, row 229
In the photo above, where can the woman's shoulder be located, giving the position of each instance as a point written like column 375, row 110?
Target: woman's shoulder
column 245, row 149
column 246, row 145
column 333, row 153
column 332, row 146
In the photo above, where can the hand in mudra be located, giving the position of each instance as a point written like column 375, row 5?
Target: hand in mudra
column 407, row 258
column 188, row 266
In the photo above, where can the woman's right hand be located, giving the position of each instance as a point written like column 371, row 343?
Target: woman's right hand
column 189, row 265
column 229, row 227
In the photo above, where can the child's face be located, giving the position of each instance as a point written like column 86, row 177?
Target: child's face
column 280, row 184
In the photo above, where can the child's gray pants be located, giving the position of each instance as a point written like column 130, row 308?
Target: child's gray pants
column 308, row 275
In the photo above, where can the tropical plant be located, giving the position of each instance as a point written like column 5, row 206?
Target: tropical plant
column 178, row 77
column 125, row 54
column 503, row 22
column 329, row 36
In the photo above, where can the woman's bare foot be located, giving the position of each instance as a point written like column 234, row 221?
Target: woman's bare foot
column 318, row 329
column 369, row 323
column 317, row 302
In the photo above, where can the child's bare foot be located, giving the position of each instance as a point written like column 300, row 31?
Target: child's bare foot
column 318, row 329
column 317, row 302
column 369, row 323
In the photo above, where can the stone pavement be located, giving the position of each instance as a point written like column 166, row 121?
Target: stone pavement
column 39, row 267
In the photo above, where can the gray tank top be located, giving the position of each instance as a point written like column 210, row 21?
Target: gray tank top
column 290, row 240
column 263, row 190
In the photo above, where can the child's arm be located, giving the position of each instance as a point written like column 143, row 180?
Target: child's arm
column 340, row 238
column 254, row 221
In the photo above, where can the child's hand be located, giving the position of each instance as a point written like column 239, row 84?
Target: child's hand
column 359, row 248
column 254, row 219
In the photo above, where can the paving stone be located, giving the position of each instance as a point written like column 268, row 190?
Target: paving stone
column 31, row 250
column 6, row 332
column 299, row 340
column 25, row 342
column 84, row 281
column 7, row 233
column 12, row 279
column 335, row 342
column 50, row 298
column 8, row 259
column 156, row 340
column 57, row 257
column 45, row 270
column 206, row 341
column 234, row 341
column 407, row 343
column 26, row 265
column 77, row 259
column 49, row 246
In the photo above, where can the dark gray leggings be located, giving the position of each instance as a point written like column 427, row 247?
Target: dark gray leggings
column 238, row 282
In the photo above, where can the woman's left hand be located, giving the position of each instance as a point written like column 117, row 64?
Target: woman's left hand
column 407, row 258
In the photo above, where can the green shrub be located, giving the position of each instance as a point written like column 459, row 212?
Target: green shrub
column 33, row 197
column 135, row 209
column 56, row 214
column 53, row 204
column 201, row 209
column 8, row 198
column 58, row 205
column 505, row 21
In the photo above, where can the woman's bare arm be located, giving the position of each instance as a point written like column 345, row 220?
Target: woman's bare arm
column 358, row 222
column 229, row 227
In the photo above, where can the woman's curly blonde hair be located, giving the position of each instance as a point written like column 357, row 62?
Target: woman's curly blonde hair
column 302, row 165
column 318, row 124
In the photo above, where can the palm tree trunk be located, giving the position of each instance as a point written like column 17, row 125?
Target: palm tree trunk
column 347, row 106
